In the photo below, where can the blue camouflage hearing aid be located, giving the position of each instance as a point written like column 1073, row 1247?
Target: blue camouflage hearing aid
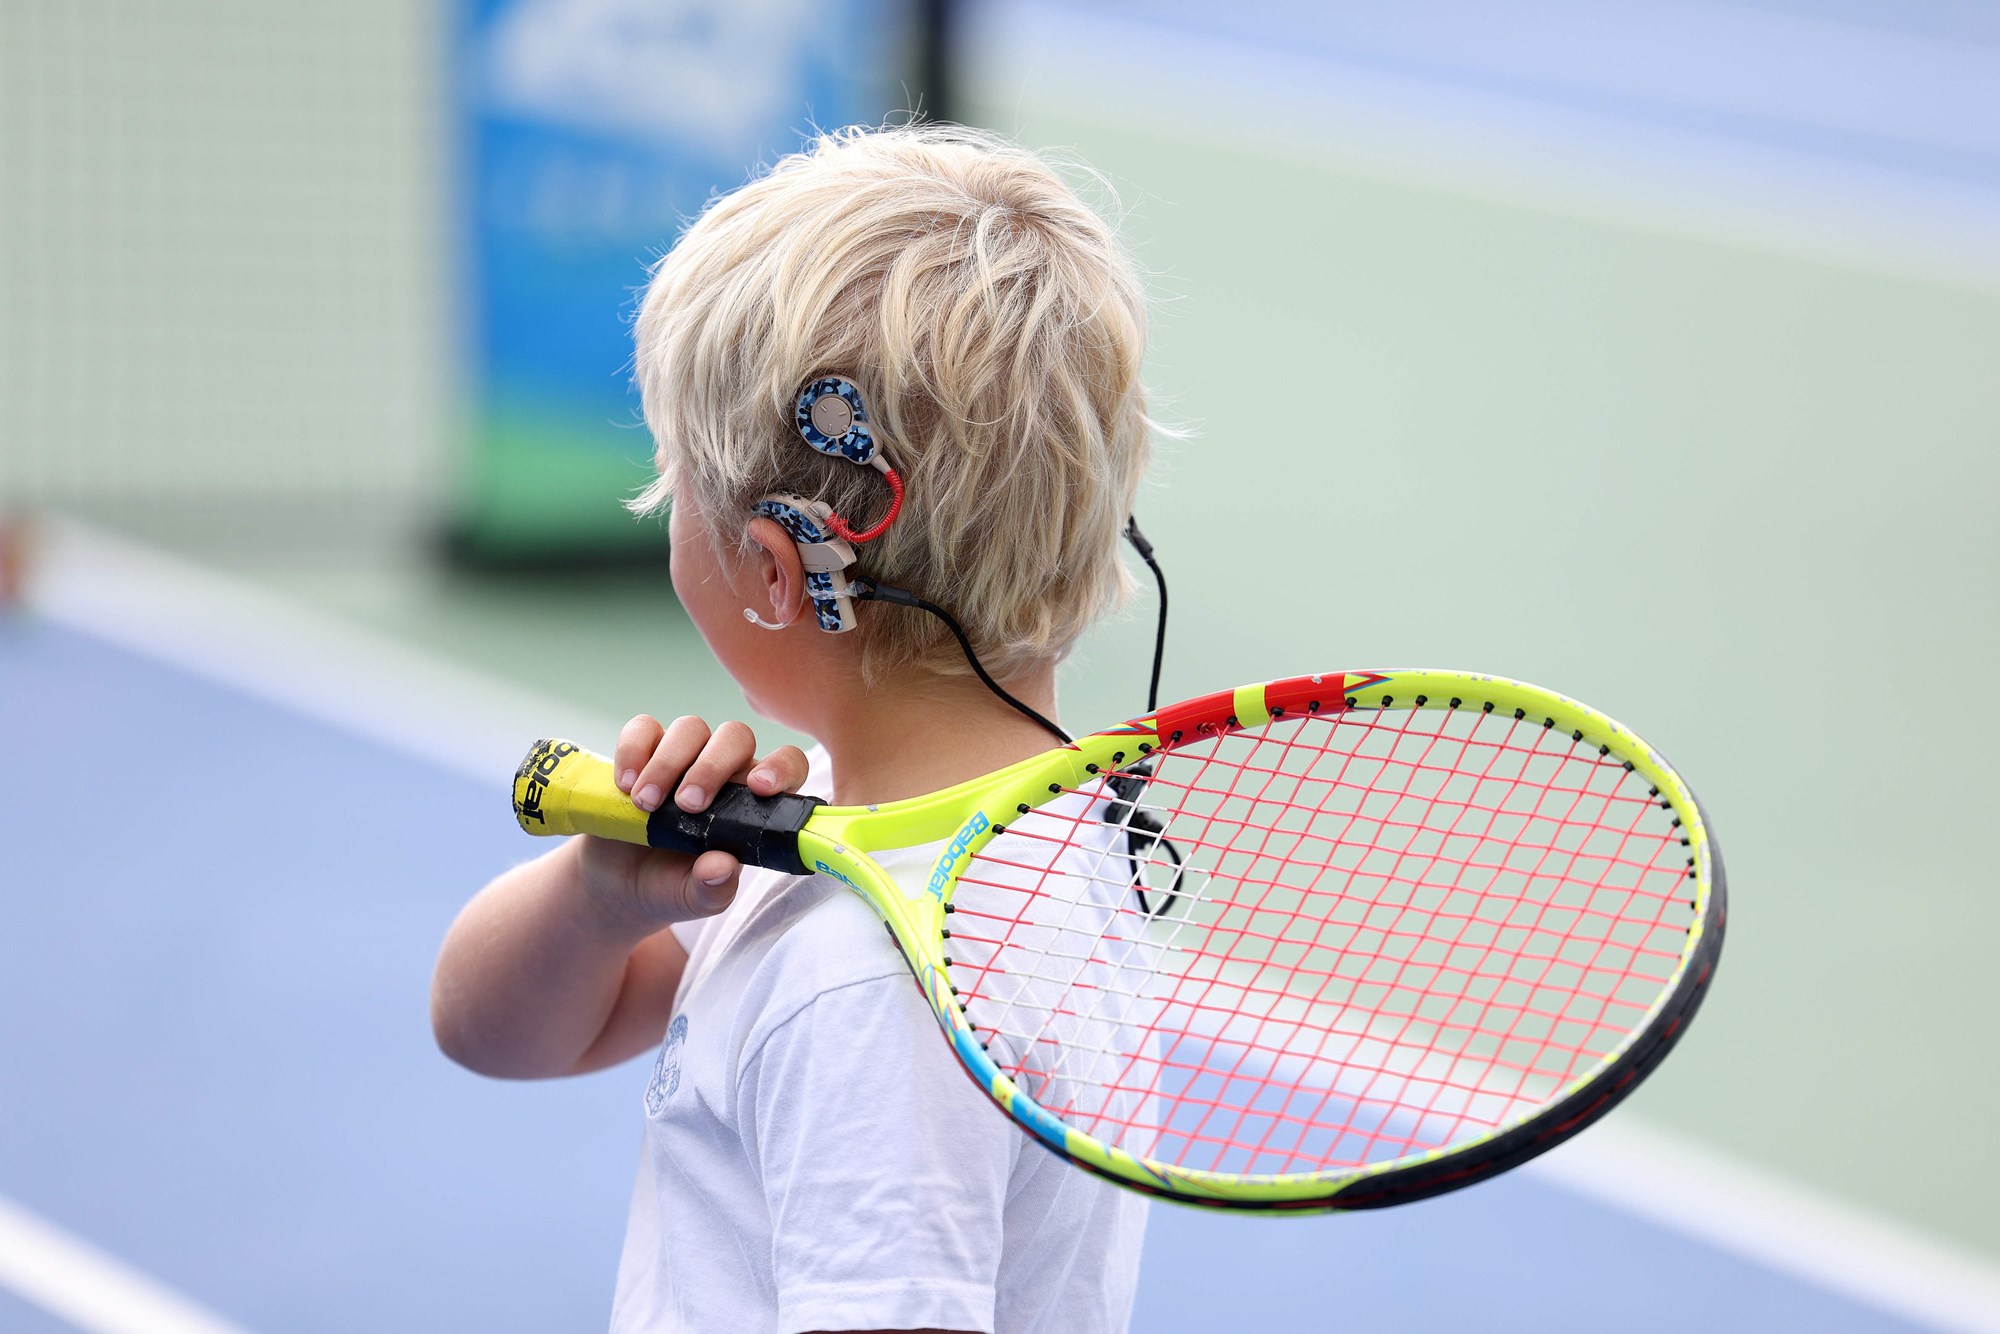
column 831, row 418
column 826, row 558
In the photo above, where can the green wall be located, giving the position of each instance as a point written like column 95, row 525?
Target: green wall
column 1740, row 500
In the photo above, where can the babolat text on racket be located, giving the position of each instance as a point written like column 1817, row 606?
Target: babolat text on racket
column 1333, row 942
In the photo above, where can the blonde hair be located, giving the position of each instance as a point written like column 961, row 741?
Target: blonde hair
column 995, row 328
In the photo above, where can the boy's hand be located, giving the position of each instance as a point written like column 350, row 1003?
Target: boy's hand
column 643, row 889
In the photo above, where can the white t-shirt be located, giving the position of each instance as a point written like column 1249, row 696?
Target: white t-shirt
column 816, row 1159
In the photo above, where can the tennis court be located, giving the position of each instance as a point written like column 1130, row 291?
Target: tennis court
column 1643, row 351
column 243, row 849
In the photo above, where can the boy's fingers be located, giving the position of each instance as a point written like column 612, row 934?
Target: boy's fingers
column 727, row 753
column 636, row 742
column 712, row 880
column 609, row 860
column 677, row 890
column 678, row 746
column 783, row 770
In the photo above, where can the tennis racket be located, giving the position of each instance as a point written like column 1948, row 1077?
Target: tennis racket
column 1400, row 931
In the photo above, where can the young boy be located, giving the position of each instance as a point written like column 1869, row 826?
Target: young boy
column 814, row 1158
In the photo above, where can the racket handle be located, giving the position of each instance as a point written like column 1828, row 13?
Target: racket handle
column 562, row 788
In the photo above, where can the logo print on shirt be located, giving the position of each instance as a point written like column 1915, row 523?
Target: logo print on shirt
column 667, row 1067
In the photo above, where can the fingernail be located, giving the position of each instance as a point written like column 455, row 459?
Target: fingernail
column 647, row 798
column 626, row 779
column 690, row 798
column 763, row 777
column 722, row 879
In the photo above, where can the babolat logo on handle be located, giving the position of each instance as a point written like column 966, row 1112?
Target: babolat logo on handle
column 531, row 780
column 947, row 860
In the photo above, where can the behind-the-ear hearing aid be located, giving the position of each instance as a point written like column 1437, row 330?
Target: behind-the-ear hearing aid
column 830, row 417
column 825, row 555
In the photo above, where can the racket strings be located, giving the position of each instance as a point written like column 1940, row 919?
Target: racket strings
column 1392, row 928
column 1249, row 1053
column 1270, row 995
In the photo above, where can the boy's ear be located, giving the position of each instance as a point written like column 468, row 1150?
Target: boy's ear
column 782, row 573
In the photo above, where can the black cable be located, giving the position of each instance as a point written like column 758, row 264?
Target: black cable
column 867, row 590
column 1145, row 550
column 1144, row 834
column 1173, row 889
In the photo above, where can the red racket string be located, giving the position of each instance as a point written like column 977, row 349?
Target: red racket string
column 1397, row 1040
column 1237, row 1012
column 1276, row 994
column 1524, row 1010
column 1307, row 1121
column 1280, row 915
column 1531, row 1009
column 970, row 996
column 1053, row 850
column 1568, row 934
column 1069, row 1013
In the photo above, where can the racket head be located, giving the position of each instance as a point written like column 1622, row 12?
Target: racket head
column 1430, row 924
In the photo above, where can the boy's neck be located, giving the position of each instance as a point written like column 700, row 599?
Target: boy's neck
column 904, row 741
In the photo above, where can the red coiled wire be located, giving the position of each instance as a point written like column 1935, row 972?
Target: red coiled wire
column 847, row 534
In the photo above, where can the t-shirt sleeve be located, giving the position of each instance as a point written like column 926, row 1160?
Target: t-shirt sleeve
column 689, row 933
column 884, row 1169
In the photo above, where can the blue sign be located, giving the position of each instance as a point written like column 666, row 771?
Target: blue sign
column 592, row 132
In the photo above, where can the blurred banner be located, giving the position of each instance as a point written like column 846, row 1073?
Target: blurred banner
column 591, row 132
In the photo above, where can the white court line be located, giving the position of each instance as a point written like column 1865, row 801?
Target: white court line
column 244, row 637
column 1790, row 1228
column 70, row 1278
column 230, row 631
column 227, row 631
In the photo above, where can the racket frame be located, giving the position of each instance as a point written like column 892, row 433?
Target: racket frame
column 837, row 841
column 972, row 814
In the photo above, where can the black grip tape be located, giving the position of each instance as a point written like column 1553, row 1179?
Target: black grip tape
column 757, row 831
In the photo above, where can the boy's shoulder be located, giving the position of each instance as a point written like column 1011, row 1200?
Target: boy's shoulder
column 798, row 940
column 812, row 934
column 800, row 937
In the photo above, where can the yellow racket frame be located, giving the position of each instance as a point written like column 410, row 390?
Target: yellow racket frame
column 578, row 794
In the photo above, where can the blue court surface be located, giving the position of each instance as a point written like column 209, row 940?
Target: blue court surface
column 220, row 916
